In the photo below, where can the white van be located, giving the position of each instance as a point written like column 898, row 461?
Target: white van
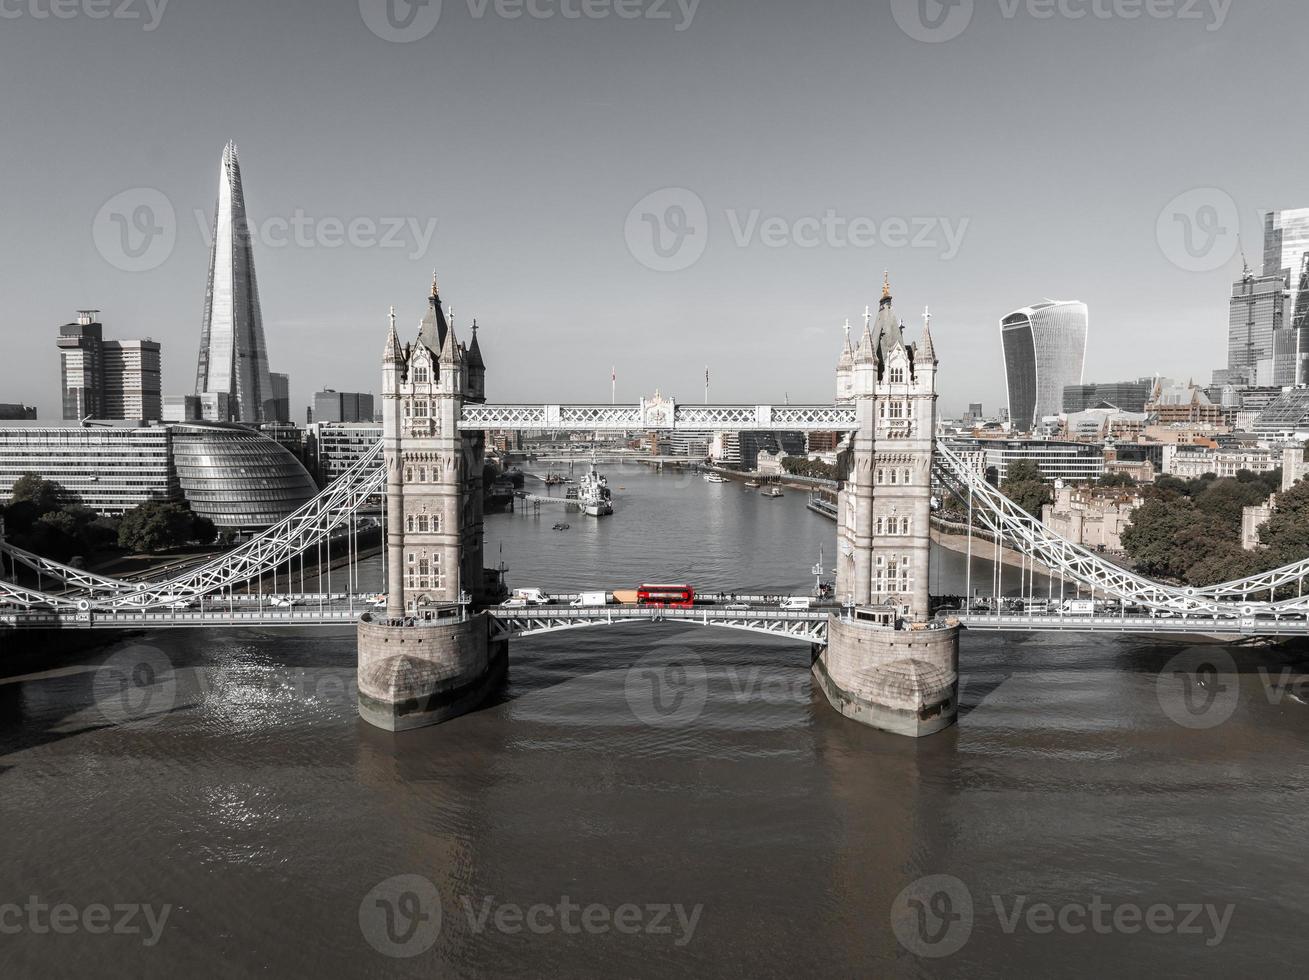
column 531, row 597
column 797, row 602
column 591, row 599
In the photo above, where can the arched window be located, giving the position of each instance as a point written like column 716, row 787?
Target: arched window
column 420, row 375
column 905, row 479
column 409, row 523
column 897, row 375
column 881, row 476
column 880, row 525
column 893, row 476
column 904, row 525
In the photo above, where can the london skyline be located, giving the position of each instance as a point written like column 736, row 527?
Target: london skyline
column 450, row 175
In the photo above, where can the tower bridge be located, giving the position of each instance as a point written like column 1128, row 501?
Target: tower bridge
column 441, row 643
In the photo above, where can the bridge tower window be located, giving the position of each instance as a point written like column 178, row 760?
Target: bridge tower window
column 897, row 375
column 420, row 375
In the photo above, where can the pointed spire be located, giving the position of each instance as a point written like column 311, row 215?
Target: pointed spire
column 475, row 350
column 847, row 351
column 434, row 325
column 393, row 354
column 886, row 288
column 928, row 350
column 451, row 353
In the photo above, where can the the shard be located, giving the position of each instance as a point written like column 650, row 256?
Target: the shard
column 232, row 376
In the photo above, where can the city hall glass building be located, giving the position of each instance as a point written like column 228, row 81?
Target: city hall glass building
column 1044, row 353
column 237, row 477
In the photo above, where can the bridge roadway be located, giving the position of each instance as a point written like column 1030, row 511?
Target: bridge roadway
column 755, row 613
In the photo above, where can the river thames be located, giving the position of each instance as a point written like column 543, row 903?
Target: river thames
column 1086, row 817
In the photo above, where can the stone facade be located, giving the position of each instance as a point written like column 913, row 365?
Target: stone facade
column 1091, row 518
column 429, row 660
column 900, row 681
column 884, row 664
column 418, row 673
column 885, row 507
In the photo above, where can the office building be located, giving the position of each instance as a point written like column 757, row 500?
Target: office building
column 1286, row 243
column 107, row 379
column 233, row 355
column 342, row 406
column 751, row 443
column 1044, row 352
column 182, row 408
column 1127, row 396
column 1257, row 330
column 331, row 448
column 281, row 388
column 1286, row 417
column 1074, row 462
column 238, row 478
column 16, row 413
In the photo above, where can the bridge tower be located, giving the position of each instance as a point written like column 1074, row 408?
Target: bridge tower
column 884, row 663
column 430, row 659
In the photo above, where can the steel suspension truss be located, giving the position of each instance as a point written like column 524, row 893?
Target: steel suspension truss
column 312, row 523
column 1028, row 535
column 810, row 626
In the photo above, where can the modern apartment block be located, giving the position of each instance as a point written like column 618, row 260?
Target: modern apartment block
column 107, row 379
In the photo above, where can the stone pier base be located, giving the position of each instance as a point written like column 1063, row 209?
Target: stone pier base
column 423, row 672
column 901, row 681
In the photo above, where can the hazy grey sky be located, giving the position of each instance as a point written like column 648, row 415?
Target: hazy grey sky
column 1035, row 154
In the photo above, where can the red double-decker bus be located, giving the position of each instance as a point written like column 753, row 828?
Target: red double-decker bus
column 665, row 595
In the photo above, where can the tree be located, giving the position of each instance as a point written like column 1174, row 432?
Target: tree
column 157, row 525
column 1026, row 487
column 1285, row 535
column 44, row 495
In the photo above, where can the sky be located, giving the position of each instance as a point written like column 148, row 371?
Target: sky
column 644, row 185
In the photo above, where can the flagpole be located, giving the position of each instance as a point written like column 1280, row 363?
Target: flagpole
column 613, row 385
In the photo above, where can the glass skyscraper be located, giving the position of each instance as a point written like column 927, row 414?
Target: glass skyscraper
column 1286, row 243
column 233, row 356
column 1256, row 320
column 1044, row 353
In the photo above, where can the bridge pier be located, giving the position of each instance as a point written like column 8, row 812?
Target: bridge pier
column 904, row 681
column 415, row 673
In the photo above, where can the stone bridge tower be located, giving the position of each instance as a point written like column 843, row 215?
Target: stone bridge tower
column 885, row 663
column 431, row 659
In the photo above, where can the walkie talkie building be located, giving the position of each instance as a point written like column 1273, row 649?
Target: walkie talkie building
column 233, row 355
column 1044, row 352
